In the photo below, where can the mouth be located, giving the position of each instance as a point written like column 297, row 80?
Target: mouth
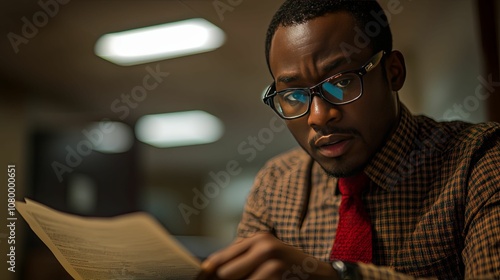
column 333, row 146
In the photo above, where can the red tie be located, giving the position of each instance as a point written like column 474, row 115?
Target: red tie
column 353, row 242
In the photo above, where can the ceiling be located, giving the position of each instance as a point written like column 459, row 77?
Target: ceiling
column 66, row 85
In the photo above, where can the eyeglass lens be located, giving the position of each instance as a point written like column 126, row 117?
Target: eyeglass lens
column 336, row 90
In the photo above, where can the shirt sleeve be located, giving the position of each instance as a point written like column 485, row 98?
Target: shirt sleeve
column 372, row 272
column 481, row 254
column 256, row 215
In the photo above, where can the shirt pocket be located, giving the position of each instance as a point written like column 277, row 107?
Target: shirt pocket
column 448, row 267
column 433, row 247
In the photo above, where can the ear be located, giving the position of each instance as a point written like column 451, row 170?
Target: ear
column 396, row 70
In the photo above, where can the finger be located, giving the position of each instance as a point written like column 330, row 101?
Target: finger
column 238, row 247
column 271, row 269
column 205, row 275
column 261, row 249
column 223, row 256
column 219, row 259
column 241, row 266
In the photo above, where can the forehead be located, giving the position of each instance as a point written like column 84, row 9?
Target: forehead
column 331, row 35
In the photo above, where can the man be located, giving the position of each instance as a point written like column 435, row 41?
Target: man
column 431, row 200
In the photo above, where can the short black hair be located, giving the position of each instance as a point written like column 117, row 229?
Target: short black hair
column 293, row 12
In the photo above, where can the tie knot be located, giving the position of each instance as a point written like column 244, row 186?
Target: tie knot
column 354, row 185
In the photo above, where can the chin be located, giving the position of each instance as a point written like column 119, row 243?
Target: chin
column 341, row 167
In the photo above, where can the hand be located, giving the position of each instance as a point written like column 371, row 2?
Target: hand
column 263, row 256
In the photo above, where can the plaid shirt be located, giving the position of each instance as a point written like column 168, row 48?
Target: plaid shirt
column 434, row 202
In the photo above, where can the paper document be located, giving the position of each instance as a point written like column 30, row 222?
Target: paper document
column 132, row 246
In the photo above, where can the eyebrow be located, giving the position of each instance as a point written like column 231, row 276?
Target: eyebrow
column 285, row 79
column 335, row 64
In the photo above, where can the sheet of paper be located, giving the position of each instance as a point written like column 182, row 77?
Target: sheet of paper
column 132, row 246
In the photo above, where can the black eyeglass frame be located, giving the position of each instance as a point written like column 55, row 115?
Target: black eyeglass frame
column 316, row 89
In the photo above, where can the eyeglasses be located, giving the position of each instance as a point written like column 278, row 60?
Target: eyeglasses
column 339, row 89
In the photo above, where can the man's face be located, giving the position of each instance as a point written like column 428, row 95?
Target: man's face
column 341, row 138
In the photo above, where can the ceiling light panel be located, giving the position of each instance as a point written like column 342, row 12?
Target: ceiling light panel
column 179, row 129
column 160, row 42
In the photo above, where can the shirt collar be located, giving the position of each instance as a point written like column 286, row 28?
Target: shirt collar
column 387, row 167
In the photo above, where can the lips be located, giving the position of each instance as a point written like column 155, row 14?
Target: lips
column 334, row 145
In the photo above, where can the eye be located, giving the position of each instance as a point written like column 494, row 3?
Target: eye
column 295, row 96
column 342, row 83
column 334, row 91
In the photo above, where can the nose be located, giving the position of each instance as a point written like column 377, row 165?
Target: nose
column 322, row 113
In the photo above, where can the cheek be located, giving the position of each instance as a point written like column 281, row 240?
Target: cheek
column 300, row 130
column 378, row 97
column 375, row 117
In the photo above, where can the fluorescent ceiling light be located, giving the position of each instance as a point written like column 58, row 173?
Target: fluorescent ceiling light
column 117, row 137
column 160, row 42
column 179, row 129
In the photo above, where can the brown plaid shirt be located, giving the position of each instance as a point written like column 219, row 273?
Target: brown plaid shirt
column 434, row 202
